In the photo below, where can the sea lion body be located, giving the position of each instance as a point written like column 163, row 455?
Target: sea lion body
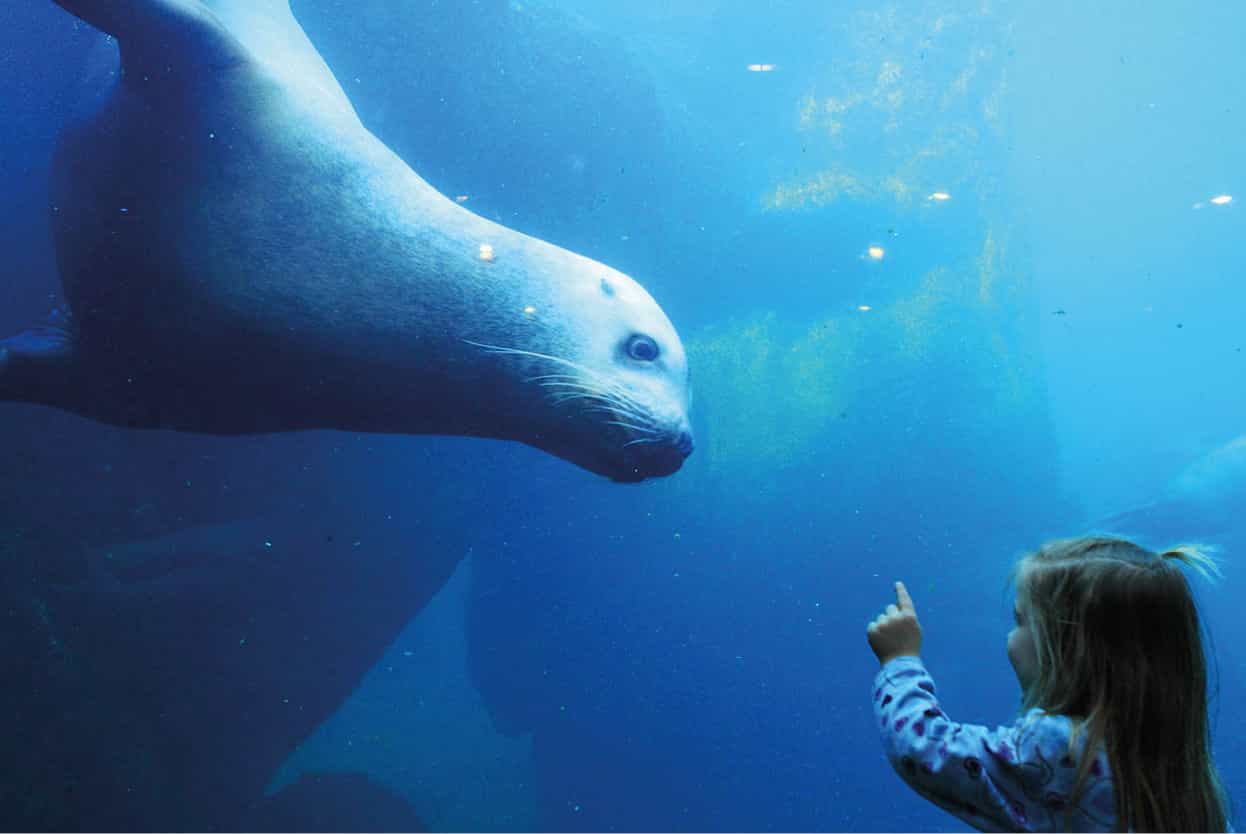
column 241, row 255
column 1202, row 502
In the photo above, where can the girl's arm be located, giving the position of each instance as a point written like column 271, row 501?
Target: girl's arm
column 1015, row 778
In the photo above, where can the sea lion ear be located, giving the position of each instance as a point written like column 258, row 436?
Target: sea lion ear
column 161, row 36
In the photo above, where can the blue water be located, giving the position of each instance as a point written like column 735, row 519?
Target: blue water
column 483, row 637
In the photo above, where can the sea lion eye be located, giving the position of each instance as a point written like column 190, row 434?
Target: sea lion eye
column 642, row 348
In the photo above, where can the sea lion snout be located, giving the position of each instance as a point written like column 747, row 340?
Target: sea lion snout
column 657, row 460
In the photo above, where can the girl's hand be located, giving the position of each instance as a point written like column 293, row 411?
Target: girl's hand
column 896, row 632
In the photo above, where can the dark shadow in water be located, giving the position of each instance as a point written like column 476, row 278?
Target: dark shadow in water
column 334, row 802
column 164, row 695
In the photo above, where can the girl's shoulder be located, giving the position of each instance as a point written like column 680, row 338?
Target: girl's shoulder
column 1056, row 744
column 1041, row 722
column 1051, row 730
column 1049, row 753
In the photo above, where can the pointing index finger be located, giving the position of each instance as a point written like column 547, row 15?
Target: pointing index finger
column 903, row 601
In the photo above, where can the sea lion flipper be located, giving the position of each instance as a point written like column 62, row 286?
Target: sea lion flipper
column 160, row 34
column 37, row 367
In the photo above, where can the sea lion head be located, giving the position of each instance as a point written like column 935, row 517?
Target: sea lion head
column 605, row 375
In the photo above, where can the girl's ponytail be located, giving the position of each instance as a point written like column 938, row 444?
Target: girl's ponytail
column 1196, row 557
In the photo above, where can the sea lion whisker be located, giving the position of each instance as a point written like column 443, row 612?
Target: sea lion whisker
column 608, row 387
column 534, row 354
column 623, row 395
column 577, row 391
column 623, row 409
column 595, row 404
column 547, row 377
column 630, row 408
column 583, row 372
column 646, row 430
column 606, row 403
column 602, row 404
column 578, row 385
column 538, row 377
column 613, row 412
column 640, row 440
column 600, row 394
column 570, row 390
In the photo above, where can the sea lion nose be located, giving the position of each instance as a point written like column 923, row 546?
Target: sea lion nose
column 684, row 444
column 656, row 460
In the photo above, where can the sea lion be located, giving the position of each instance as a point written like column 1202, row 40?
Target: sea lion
column 1204, row 501
column 240, row 255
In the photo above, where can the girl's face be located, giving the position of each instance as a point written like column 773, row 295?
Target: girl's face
column 1021, row 649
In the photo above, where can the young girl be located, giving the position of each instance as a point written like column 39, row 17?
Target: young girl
column 1114, row 736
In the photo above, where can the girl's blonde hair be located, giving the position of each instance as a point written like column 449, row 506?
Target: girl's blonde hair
column 1120, row 650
